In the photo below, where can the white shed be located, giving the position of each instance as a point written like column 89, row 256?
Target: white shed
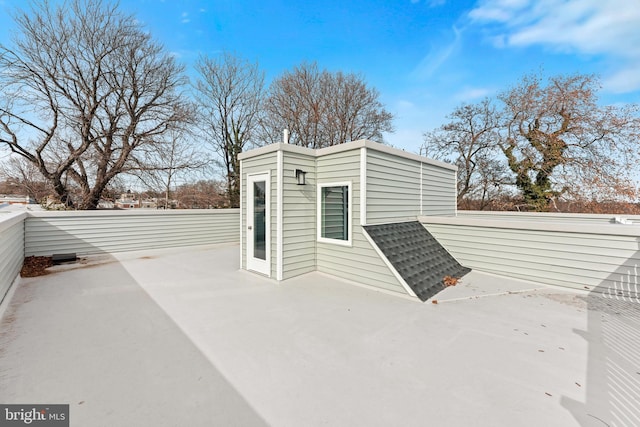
column 304, row 210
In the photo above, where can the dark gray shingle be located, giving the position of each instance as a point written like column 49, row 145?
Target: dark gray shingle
column 417, row 256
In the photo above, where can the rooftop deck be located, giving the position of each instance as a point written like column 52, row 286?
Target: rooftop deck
column 181, row 337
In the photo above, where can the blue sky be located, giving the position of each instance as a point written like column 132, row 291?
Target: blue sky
column 423, row 56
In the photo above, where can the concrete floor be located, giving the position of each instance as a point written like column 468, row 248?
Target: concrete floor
column 182, row 338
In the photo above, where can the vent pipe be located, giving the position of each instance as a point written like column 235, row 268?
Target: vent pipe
column 285, row 136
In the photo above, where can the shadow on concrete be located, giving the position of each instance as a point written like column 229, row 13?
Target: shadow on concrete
column 93, row 338
column 613, row 336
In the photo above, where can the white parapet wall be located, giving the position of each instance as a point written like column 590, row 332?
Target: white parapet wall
column 586, row 252
column 572, row 218
column 11, row 248
column 47, row 233
column 94, row 232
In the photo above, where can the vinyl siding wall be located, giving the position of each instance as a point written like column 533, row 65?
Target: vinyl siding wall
column 92, row 232
column 299, row 216
column 360, row 262
column 393, row 184
column 11, row 249
column 576, row 254
column 264, row 163
column 393, row 188
column 438, row 190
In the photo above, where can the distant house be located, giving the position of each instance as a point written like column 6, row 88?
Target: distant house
column 150, row 203
column 16, row 199
column 127, row 201
column 130, row 200
column 106, row 204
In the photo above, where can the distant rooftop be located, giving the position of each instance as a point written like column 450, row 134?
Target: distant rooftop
column 16, row 199
column 19, row 207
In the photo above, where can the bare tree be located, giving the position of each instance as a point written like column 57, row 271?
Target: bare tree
column 174, row 155
column 22, row 177
column 229, row 92
column 469, row 141
column 322, row 109
column 202, row 195
column 557, row 139
column 81, row 91
column 549, row 141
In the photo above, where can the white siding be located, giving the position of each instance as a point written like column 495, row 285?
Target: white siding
column 91, row 232
column 11, row 249
column 393, row 188
column 606, row 257
column 573, row 218
column 438, row 190
column 360, row 262
column 299, row 216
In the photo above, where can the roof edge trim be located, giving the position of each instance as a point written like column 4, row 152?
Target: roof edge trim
column 347, row 146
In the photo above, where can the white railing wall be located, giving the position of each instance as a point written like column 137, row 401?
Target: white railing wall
column 93, row 232
column 11, row 249
column 575, row 218
column 576, row 251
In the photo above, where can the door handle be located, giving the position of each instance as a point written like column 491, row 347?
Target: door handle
column 249, row 228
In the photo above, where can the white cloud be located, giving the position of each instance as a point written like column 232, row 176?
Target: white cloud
column 472, row 94
column 438, row 56
column 404, row 104
column 623, row 81
column 498, row 10
column 610, row 29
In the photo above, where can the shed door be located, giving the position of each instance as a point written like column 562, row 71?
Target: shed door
column 258, row 253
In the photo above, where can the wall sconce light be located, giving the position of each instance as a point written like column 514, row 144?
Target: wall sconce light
column 300, row 176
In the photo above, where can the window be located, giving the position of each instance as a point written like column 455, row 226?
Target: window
column 334, row 213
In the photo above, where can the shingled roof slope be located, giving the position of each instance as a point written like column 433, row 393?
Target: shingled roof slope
column 416, row 255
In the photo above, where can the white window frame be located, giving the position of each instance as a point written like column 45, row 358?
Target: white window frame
column 321, row 239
